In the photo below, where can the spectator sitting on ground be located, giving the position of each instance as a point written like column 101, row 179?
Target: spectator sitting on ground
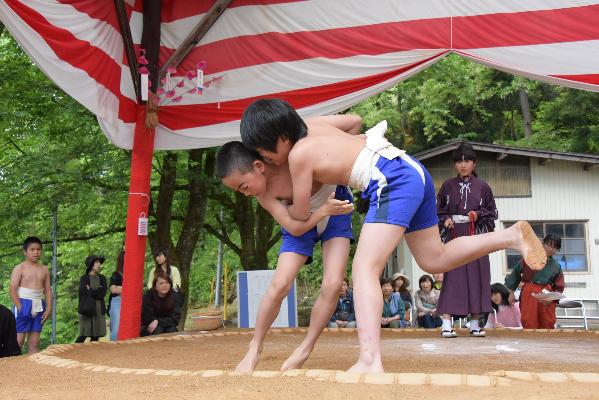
column 506, row 315
column 344, row 315
column 426, row 303
column 438, row 283
column 393, row 307
column 400, row 284
column 161, row 307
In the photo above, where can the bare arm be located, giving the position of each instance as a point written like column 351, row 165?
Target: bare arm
column 301, row 176
column 298, row 228
column 349, row 123
column 15, row 281
column 48, row 293
column 114, row 289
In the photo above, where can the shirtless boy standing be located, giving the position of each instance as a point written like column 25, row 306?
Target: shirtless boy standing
column 402, row 203
column 29, row 286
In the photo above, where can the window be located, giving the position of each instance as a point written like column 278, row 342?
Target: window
column 572, row 256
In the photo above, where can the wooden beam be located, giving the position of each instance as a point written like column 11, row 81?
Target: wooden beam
column 121, row 14
column 588, row 166
column 501, row 156
column 195, row 36
column 545, row 161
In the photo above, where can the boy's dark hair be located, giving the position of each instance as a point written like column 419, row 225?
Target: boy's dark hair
column 503, row 291
column 266, row 120
column 425, row 278
column 31, row 240
column 234, row 156
column 553, row 240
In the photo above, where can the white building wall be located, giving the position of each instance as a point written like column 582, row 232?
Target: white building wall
column 561, row 191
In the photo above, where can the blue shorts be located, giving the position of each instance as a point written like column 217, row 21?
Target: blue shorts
column 401, row 192
column 25, row 322
column 338, row 226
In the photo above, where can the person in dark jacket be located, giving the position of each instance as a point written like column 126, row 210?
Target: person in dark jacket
column 92, row 307
column 344, row 315
column 8, row 334
column 161, row 307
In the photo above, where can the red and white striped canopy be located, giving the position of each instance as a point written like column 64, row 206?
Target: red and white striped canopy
column 322, row 56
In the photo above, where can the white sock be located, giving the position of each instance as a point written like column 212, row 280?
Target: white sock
column 474, row 325
column 446, row 325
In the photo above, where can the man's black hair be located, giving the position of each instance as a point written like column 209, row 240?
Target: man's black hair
column 234, row 156
column 553, row 240
column 266, row 120
column 31, row 240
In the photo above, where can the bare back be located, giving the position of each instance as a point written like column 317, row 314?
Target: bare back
column 330, row 152
column 29, row 275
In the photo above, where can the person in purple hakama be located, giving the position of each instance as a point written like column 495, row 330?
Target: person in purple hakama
column 465, row 206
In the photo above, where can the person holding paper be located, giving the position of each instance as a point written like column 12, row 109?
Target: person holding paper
column 537, row 313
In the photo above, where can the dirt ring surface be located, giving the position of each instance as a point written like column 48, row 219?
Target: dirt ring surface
column 410, row 356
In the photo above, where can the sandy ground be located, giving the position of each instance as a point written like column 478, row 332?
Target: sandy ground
column 419, row 351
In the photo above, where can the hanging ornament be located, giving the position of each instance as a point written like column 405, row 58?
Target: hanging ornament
column 142, row 225
column 200, row 77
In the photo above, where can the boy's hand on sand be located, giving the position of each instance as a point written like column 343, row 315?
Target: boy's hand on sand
column 337, row 207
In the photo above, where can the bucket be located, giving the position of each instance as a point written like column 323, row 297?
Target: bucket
column 207, row 320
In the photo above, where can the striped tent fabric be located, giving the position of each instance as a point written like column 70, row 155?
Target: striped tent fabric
column 322, row 56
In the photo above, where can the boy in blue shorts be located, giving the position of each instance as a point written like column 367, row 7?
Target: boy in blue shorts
column 330, row 223
column 31, row 294
column 401, row 203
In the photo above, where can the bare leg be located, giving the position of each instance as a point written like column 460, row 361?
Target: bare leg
column 288, row 266
column 370, row 258
column 21, row 339
column 335, row 253
column 33, row 342
column 434, row 257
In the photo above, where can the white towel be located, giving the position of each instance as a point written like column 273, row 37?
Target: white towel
column 36, row 296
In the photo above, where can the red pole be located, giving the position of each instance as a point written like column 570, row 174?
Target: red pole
column 135, row 245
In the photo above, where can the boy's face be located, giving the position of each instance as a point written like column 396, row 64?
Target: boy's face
column 33, row 252
column 252, row 183
column 279, row 157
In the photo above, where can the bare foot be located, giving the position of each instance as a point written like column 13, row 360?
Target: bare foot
column 247, row 365
column 362, row 367
column 530, row 246
column 297, row 359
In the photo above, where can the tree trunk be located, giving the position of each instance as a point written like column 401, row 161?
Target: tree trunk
column 194, row 217
column 164, row 205
column 525, row 112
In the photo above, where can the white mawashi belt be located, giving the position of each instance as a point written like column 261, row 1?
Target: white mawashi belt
column 36, row 296
column 460, row 219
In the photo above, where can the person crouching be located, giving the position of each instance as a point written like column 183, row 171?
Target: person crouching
column 161, row 307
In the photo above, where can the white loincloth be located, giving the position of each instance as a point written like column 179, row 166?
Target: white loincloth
column 36, row 296
column 376, row 146
column 317, row 200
